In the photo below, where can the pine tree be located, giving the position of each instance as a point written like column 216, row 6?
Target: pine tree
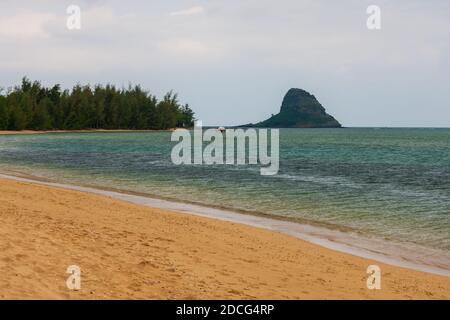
column 41, row 119
column 4, row 116
column 33, row 106
column 17, row 119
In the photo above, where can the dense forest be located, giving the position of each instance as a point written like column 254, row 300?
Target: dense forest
column 35, row 107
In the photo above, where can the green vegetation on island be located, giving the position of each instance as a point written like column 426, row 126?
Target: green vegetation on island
column 299, row 109
column 32, row 106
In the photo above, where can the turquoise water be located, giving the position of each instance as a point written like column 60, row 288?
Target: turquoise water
column 388, row 183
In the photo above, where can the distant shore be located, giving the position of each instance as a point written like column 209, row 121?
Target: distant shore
column 14, row 132
column 130, row 251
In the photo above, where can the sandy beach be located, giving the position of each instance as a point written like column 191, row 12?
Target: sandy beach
column 133, row 252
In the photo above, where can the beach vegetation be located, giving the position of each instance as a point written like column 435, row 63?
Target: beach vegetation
column 33, row 106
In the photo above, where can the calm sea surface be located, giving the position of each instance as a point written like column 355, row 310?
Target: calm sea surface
column 392, row 184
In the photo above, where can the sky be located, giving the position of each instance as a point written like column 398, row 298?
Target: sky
column 233, row 60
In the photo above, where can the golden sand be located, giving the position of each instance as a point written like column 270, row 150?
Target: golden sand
column 132, row 252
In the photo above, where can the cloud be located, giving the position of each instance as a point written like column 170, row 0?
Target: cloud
column 184, row 47
column 25, row 25
column 189, row 12
column 254, row 48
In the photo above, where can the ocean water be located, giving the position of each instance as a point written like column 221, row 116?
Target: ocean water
column 390, row 184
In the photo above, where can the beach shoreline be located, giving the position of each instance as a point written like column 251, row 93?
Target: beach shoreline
column 31, row 132
column 244, row 262
column 336, row 239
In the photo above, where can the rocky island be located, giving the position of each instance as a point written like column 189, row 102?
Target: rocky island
column 299, row 109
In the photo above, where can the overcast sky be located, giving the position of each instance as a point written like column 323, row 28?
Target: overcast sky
column 233, row 60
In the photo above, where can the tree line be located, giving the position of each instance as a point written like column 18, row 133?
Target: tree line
column 35, row 107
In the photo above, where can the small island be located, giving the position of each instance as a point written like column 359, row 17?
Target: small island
column 299, row 109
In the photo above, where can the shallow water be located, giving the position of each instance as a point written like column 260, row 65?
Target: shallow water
column 390, row 184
